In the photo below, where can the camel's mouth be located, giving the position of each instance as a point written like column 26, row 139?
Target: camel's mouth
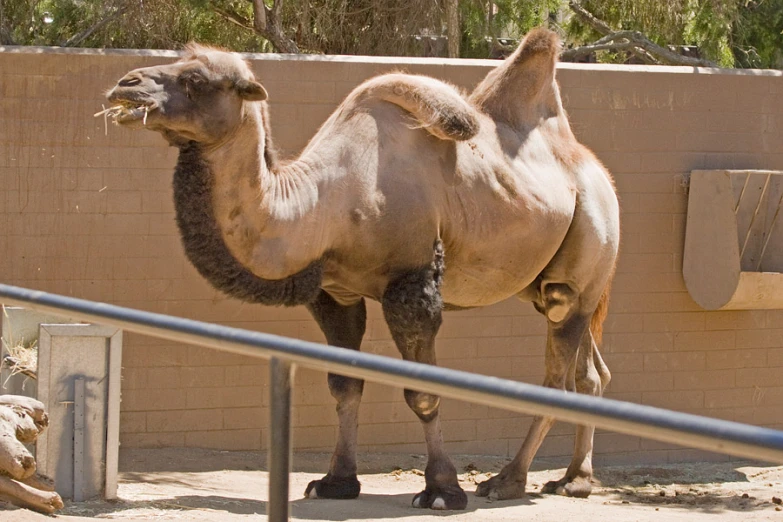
column 128, row 111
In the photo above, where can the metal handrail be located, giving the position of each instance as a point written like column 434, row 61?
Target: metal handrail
column 634, row 419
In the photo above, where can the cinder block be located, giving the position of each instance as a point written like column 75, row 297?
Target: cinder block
column 697, row 341
column 680, row 400
column 510, row 428
column 674, row 322
column 224, row 397
column 736, row 320
column 457, row 430
column 233, row 440
column 638, row 342
column 626, row 362
column 642, row 381
column 164, row 377
column 318, row 437
column 725, row 359
column 675, row 361
column 154, row 400
column 730, row 398
column 245, row 418
column 770, row 338
column 184, row 420
column 761, row 377
column 133, row 422
column 775, row 357
column 705, row 379
column 615, row 443
column 152, row 440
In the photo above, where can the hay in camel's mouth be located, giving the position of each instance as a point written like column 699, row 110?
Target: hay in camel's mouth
column 126, row 112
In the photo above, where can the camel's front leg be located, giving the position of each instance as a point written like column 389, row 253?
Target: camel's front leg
column 562, row 345
column 591, row 377
column 412, row 307
column 343, row 326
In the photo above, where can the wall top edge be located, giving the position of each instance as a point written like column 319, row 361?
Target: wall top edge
column 400, row 60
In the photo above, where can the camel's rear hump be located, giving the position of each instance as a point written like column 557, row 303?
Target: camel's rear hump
column 522, row 89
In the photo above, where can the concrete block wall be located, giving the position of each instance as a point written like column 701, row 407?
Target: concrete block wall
column 88, row 213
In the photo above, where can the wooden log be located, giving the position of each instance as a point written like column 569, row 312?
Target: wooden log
column 22, row 419
column 15, row 460
column 28, row 497
column 39, row 481
column 34, row 408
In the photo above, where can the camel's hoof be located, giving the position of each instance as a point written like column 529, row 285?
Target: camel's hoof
column 578, row 487
column 500, row 487
column 450, row 497
column 333, row 487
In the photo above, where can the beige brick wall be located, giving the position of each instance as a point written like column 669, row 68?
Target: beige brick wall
column 90, row 215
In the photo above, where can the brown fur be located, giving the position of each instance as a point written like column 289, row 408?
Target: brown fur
column 406, row 177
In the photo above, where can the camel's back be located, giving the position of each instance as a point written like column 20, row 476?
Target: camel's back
column 395, row 188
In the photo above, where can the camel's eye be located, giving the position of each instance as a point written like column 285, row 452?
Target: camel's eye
column 193, row 79
column 193, row 82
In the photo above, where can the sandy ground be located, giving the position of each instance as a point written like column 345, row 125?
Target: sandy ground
column 216, row 486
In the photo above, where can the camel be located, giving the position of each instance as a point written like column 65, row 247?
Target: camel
column 412, row 194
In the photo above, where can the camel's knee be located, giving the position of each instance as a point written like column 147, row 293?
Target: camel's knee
column 345, row 389
column 559, row 300
column 424, row 405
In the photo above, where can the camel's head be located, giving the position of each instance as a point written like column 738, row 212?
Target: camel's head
column 199, row 98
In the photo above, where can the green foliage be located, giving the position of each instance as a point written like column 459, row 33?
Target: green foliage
column 732, row 33
column 363, row 27
column 741, row 33
column 757, row 37
column 481, row 24
column 139, row 24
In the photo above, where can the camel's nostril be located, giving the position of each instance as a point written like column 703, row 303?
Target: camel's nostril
column 130, row 81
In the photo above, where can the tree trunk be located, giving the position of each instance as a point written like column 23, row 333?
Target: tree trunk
column 22, row 419
column 268, row 24
column 452, row 27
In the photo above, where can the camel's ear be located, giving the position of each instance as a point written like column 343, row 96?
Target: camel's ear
column 251, row 91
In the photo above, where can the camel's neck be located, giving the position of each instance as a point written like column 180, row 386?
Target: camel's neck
column 209, row 200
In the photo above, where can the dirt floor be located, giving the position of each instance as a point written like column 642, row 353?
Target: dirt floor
column 215, row 486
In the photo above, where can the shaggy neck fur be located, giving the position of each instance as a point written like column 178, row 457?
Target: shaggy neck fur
column 206, row 249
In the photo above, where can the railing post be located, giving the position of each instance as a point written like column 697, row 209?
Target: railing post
column 279, row 453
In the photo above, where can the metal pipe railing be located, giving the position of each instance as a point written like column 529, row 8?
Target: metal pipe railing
column 634, row 419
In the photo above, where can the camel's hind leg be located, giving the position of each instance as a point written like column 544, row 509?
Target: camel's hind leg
column 412, row 307
column 343, row 326
column 563, row 342
column 591, row 376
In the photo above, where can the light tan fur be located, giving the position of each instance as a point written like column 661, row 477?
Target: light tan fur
column 405, row 162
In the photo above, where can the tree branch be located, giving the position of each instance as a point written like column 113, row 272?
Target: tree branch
column 570, row 55
column 234, row 17
column 662, row 53
column 589, row 18
column 100, row 24
column 259, row 15
column 452, row 27
column 265, row 23
column 632, row 41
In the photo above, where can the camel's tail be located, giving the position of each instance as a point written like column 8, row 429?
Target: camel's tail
column 601, row 311
column 437, row 106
